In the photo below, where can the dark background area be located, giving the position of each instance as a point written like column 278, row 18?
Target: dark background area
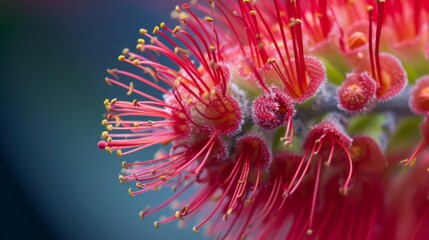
column 55, row 183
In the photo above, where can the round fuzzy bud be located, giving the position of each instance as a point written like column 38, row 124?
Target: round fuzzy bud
column 272, row 109
column 223, row 115
column 419, row 101
column 356, row 92
column 327, row 129
column 368, row 155
column 391, row 78
column 254, row 149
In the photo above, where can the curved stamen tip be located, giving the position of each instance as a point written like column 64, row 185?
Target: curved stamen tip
column 309, row 231
column 121, row 179
column 229, row 212
column 408, row 162
column 178, row 216
column 142, row 214
column 102, row 144
column 130, row 191
column 156, row 224
column 248, row 202
column 195, row 229
column 124, row 165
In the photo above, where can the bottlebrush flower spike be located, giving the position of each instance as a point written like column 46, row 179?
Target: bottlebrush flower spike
column 246, row 79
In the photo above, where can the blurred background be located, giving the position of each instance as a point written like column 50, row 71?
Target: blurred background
column 55, row 182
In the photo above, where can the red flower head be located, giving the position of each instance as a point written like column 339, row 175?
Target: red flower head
column 285, row 119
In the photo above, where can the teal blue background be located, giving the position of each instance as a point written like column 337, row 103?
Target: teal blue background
column 55, row 182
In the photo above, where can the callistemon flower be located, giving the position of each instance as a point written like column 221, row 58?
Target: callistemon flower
column 284, row 119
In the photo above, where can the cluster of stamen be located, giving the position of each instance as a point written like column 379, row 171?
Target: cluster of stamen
column 243, row 83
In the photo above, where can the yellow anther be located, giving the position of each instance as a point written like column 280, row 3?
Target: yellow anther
column 139, row 185
column 369, row 8
column 136, row 124
column 176, row 29
column 155, row 30
column 109, row 139
column 229, row 212
column 246, row 1
column 139, row 47
column 189, row 100
column 124, row 165
column 109, row 150
column 106, row 102
column 104, row 122
column 381, row 1
column 206, row 95
column 141, row 41
column 121, row 179
column 105, row 134
column 177, row 214
column 121, row 58
column 195, row 229
column 177, row 8
column 119, row 152
column 183, row 18
column 209, row 19
column 136, row 62
column 143, row 31
column 163, row 178
column 252, row 12
column 156, row 224
column 130, row 191
column 109, row 127
column 162, row 25
column 130, row 90
column 113, row 101
column 181, row 50
column 271, row 60
column 212, row 92
column 135, row 103
column 150, row 122
column 212, row 48
column 125, row 51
